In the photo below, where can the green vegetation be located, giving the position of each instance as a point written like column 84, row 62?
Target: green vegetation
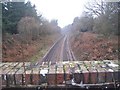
column 25, row 32
column 15, row 13
column 12, row 12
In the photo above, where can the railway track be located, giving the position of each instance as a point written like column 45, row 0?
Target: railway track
column 60, row 67
column 59, row 52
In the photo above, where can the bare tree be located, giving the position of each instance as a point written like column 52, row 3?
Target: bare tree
column 96, row 7
column 106, row 20
column 28, row 28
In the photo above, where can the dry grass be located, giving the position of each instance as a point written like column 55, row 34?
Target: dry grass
column 13, row 50
column 89, row 46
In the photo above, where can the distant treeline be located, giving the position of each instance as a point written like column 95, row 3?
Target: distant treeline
column 99, row 17
column 22, row 19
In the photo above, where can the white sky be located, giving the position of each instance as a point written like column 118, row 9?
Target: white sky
column 62, row 10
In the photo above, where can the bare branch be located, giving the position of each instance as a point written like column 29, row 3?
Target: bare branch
column 94, row 11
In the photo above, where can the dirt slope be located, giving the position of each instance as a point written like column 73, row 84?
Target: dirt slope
column 13, row 50
column 89, row 46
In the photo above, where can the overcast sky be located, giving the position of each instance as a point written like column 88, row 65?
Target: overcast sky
column 63, row 10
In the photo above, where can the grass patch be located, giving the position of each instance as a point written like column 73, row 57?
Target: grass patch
column 39, row 55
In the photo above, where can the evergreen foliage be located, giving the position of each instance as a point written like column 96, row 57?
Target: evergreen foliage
column 12, row 12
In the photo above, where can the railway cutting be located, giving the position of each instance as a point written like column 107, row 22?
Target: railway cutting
column 59, row 67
